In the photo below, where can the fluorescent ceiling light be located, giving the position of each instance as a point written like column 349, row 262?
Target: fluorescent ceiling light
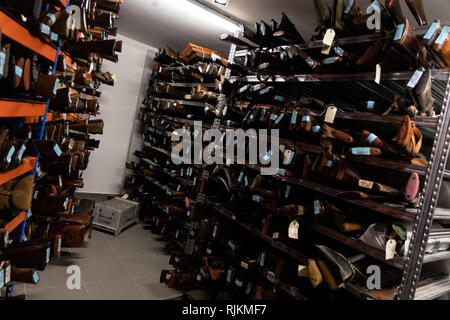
column 193, row 9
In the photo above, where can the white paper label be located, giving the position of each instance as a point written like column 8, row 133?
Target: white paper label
column 390, row 249
column 293, row 230
column 329, row 37
column 365, row 184
column 378, row 74
column 331, row 114
column 300, row 270
column 287, row 157
column 275, row 235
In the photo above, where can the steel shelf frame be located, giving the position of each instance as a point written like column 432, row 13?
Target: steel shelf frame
column 51, row 53
column 435, row 172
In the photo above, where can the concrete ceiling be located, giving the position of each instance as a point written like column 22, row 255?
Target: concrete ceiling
column 164, row 22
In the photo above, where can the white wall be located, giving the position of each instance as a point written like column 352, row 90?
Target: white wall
column 119, row 105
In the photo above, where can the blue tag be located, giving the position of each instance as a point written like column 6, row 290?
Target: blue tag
column 339, row 51
column 376, row 4
column 241, row 175
column 443, row 36
column 294, row 117
column 330, row 60
column 370, row 105
column 229, row 275
column 431, row 30
column 306, row 118
column 256, row 198
column 263, row 113
column 412, row 83
column 278, row 98
column 265, row 90
column 399, row 32
column 361, row 151
column 261, row 259
column 35, row 277
column 177, row 259
column 176, row 234
column 231, row 245
column 287, row 191
column 18, row 70
column 268, row 155
column 2, row 278
column 371, row 138
column 57, row 150
column 47, row 259
column 349, row 6
column 279, row 118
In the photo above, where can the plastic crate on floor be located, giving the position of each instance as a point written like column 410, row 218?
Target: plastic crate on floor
column 115, row 215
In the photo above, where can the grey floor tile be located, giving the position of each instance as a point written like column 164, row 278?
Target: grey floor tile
column 101, row 270
column 97, row 235
column 19, row 288
column 125, row 289
column 156, row 291
column 132, row 247
column 136, row 231
column 54, row 275
column 57, row 294
column 143, row 266
column 94, row 249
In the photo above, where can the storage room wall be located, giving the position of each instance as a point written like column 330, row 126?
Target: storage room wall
column 119, row 105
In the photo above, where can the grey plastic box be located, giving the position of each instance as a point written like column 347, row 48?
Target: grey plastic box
column 115, row 215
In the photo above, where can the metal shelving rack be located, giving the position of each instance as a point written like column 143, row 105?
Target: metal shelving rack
column 23, row 109
column 411, row 266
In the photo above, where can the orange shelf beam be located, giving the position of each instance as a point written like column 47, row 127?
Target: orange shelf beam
column 63, row 2
column 52, row 117
column 11, row 109
column 14, row 223
column 12, row 29
column 26, row 166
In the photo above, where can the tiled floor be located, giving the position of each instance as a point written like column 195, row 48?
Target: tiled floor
column 126, row 267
